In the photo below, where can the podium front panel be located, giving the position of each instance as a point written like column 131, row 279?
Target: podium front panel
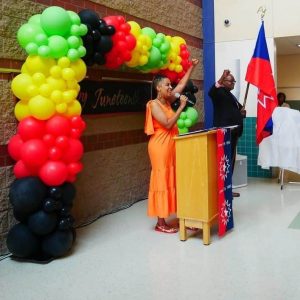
column 196, row 176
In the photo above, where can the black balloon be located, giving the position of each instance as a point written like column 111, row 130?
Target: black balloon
column 105, row 44
column 20, row 216
column 58, row 243
column 42, row 223
column 64, row 224
column 90, row 17
column 69, row 193
column 51, row 205
column 27, row 194
column 55, row 192
column 21, row 242
column 110, row 30
column 65, row 211
column 96, row 35
column 99, row 58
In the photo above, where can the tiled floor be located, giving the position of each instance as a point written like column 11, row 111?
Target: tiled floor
column 121, row 257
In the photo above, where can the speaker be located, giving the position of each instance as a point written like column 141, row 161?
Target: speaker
column 240, row 177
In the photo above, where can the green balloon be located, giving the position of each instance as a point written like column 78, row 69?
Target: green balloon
column 75, row 19
column 56, row 21
column 73, row 54
column 27, row 33
column 165, row 47
column 154, row 58
column 41, row 39
column 192, row 114
column 150, row 32
column 188, row 123
column 180, row 123
column 75, row 30
column 83, row 29
column 183, row 115
column 31, row 48
column 58, row 45
column 81, row 51
column 183, row 130
column 44, row 51
column 35, row 19
column 157, row 42
column 73, row 41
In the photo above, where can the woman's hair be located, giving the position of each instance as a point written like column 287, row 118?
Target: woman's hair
column 155, row 82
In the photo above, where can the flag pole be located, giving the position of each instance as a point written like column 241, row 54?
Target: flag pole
column 246, row 95
column 262, row 10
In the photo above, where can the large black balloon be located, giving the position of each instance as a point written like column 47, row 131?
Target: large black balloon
column 68, row 194
column 105, row 44
column 21, row 242
column 42, row 223
column 27, row 194
column 58, row 243
column 90, row 17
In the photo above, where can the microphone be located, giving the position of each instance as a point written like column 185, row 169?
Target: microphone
column 177, row 96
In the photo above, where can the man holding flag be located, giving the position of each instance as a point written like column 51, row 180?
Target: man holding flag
column 259, row 73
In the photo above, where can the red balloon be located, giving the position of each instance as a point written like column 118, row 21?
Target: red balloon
column 34, row 153
column 130, row 41
column 20, row 170
column 75, row 133
column 58, row 125
column 125, row 27
column 31, row 128
column 71, row 178
column 75, row 168
column 74, row 152
column 119, row 36
column 55, row 153
column 62, row 142
column 14, row 147
column 54, row 173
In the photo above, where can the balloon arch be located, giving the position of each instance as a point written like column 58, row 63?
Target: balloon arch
column 47, row 147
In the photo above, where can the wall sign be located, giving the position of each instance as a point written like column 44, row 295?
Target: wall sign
column 97, row 97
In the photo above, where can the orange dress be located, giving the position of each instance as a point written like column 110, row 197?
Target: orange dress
column 161, row 148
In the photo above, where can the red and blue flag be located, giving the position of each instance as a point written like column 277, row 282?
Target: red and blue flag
column 224, row 181
column 259, row 73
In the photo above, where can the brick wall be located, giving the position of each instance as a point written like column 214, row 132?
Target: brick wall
column 116, row 165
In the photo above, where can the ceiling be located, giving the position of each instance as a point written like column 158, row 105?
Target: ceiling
column 287, row 45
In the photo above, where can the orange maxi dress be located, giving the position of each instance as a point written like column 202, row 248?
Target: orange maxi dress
column 161, row 149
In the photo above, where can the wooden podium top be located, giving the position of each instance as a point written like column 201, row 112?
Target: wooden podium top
column 195, row 133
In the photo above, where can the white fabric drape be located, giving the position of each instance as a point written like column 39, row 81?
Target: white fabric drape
column 282, row 148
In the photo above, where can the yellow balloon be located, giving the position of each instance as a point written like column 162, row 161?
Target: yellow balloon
column 74, row 109
column 38, row 78
column 143, row 60
column 35, row 63
column 178, row 60
column 19, row 84
column 178, row 40
column 79, row 67
column 61, row 108
column 68, row 96
column 55, row 72
column 57, row 96
column 41, row 108
column 32, row 90
column 68, row 74
column 171, row 66
column 45, row 90
column 178, row 68
column 64, row 62
column 57, row 84
column 135, row 28
column 72, row 84
column 21, row 111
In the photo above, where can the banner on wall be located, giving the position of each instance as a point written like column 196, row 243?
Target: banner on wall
column 98, row 97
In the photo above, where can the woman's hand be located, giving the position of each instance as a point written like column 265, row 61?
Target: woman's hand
column 224, row 75
column 183, row 99
column 195, row 61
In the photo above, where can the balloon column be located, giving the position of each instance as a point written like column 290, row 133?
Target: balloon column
column 189, row 116
column 46, row 148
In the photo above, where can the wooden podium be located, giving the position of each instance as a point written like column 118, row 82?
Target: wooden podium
column 196, row 182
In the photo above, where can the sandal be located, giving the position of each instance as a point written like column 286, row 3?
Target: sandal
column 165, row 229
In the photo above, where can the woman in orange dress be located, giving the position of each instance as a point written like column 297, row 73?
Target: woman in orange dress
column 161, row 125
